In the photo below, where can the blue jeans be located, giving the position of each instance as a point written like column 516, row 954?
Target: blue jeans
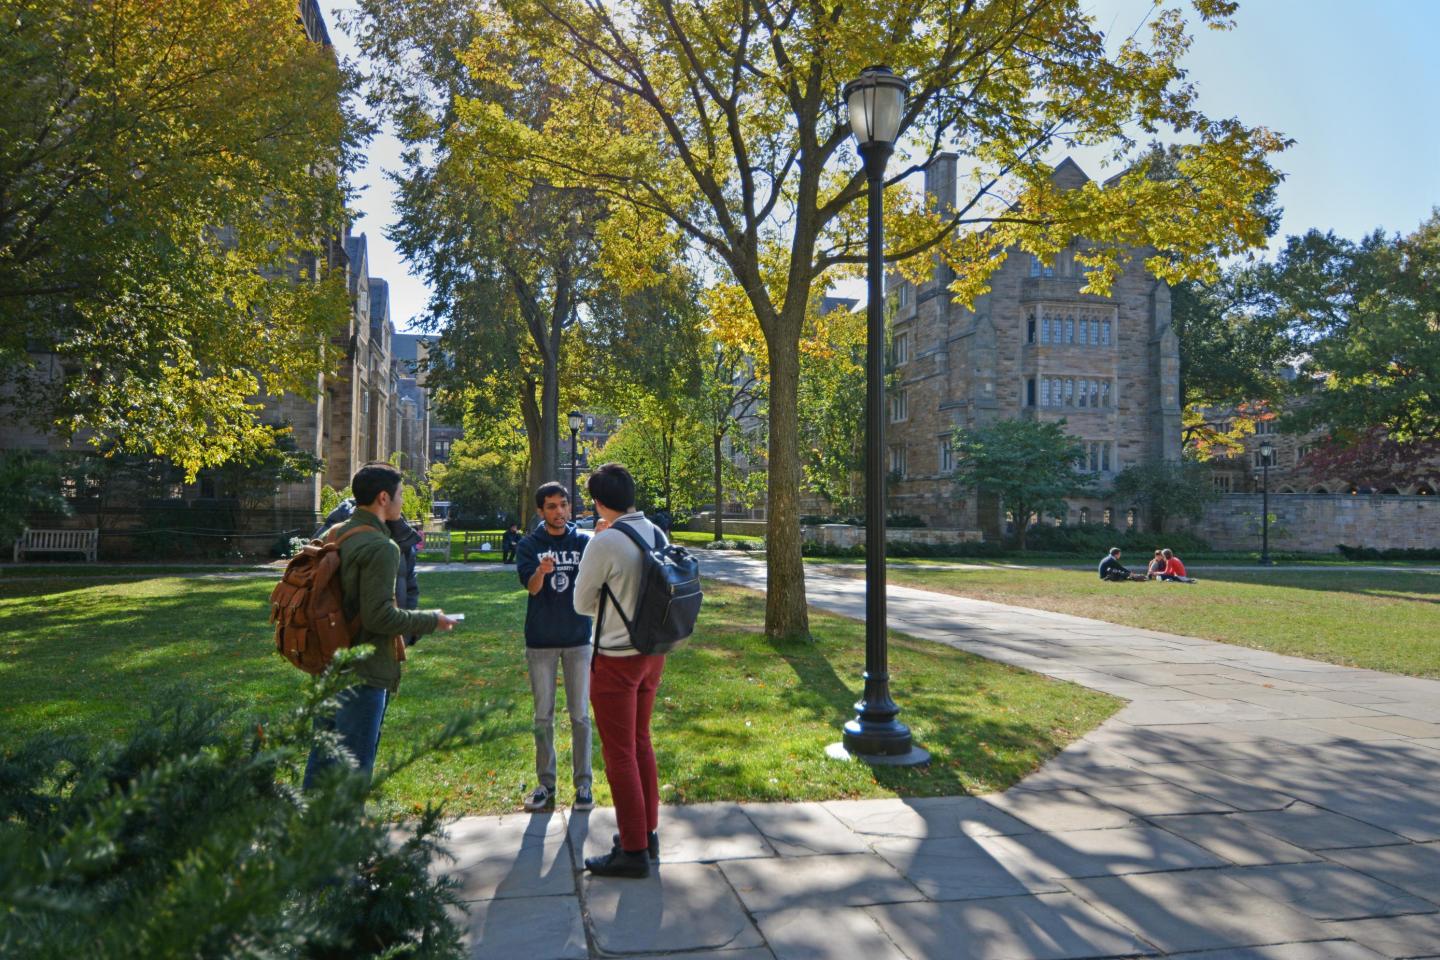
column 362, row 711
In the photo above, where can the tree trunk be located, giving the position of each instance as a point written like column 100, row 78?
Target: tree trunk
column 534, row 439
column 786, row 613
column 1022, row 525
column 719, row 489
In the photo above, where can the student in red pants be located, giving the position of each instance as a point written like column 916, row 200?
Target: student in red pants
column 624, row 681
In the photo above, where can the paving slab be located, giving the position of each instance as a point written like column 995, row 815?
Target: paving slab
column 1046, row 927
column 1234, row 840
column 1060, row 810
column 846, row 880
column 1158, row 799
column 537, row 927
column 959, row 868
column 755, row 953
column 1413, row 867
column 1328, row 950
column 703, row 832
column 1197, row 910
column 1329, row 891
column 1097, row 853
column 1395, row 937
column 509, row 859
column 926, row 817
column 803, row 829
column 679, row 907
column 834, row 933
column 1206, row 780
column 1315, row 829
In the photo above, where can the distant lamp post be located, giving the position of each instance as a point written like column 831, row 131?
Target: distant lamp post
column 1266, row 451
column 575, row 421
column 876, row 103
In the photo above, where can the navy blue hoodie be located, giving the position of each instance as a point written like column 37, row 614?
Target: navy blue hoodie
column 550, row 617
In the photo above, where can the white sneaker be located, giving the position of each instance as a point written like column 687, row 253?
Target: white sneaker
column 540, row 799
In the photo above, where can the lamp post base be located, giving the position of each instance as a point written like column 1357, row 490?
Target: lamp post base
column 915, row 757
column 885, row 742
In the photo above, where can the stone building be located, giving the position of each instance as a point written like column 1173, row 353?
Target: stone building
column 1035, row 348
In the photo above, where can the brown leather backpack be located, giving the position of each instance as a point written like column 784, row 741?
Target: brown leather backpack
column 307, row 608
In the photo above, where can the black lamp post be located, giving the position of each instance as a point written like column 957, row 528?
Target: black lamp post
column 575, row 421
column 1265, row 451
column 876, row 102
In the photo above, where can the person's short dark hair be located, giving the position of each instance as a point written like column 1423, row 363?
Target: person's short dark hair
column 373, row 479
column 1167, row 552
column 1114, row 551
column 550, row 489
column 612, row 486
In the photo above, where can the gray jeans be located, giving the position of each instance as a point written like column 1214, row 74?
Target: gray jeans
column 544, row 664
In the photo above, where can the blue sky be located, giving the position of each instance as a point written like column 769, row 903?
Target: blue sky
column 1355, row 84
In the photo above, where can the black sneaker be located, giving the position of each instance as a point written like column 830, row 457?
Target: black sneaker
column 584, row 799
column 620, row 863
column 540, row 799
column 652, row 844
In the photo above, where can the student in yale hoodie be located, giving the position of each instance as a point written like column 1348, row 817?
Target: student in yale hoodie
column 556, row 638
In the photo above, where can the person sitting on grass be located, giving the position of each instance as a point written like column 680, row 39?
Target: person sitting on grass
column 1112, row 570
column 1157, row 566
column 1174, row 569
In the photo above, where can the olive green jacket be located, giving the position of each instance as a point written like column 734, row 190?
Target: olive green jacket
column 368, row 564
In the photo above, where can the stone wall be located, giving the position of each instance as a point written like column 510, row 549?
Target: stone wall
column 1316, row 523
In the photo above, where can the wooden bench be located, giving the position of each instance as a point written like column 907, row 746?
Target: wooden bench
column 474, row 543
column 86, row 542
column 437, row 542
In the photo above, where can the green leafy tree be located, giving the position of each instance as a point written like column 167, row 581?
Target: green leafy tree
column 1367, row 315
column 832, row 429
column 170, row 176
column 33, row 481
column 1166, row 490
column 484, row 483
column 1030, row 467
column 667, row 449
column 716, row 124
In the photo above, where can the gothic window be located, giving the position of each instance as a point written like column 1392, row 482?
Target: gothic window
column 1105, row 333
column 1084, row 399
column 1094, row 457
column 1069, row 329
column 1109, row 516
column 1069, row 393
column 1030, row 392
column 901, row 348
column 1094, row 393
column 1084, row 329
column 1130, row 519
column 1105, row 394
column 1030, row 329
column 1105, row 457
column 900, row 406
column 1045, row 329
column 1084, row 514
column 947, row 456
column 1034, row 265
column 1045, row 392
column 897, row 461
column 1094, row 333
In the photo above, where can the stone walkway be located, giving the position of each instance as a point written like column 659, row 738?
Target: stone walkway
column 1243, row 806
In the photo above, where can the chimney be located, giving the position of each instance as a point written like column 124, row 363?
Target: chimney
column 940, row 182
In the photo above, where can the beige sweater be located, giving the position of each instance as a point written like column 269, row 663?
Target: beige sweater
column 612, row 558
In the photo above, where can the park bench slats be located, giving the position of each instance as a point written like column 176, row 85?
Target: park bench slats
column 86, row 542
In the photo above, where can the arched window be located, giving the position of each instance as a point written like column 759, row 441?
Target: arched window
column 1069, row 393
column 1084, row 515
column 1069, row 329
column 1105, row 394
column 1109, row 516
column 1130, row 519
column 1424, row 490
column 1084, row 330
column 1287, row 489
column 1319, row 490
column 1105, row 333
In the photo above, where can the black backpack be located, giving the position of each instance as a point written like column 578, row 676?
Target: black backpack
column 669, row 596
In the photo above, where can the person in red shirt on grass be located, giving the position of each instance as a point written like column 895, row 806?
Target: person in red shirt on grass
column 1174, row 569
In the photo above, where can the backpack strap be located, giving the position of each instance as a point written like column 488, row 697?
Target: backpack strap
column 354, row 623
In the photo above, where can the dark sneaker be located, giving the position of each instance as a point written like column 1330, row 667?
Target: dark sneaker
column 584, row 799
column 652, row 845
column 620, row 863
column 540, row 799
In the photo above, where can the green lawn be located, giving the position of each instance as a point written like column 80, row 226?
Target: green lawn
column 1384, row 621
column 739, row 718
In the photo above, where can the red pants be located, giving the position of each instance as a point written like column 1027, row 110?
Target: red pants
column 622, row 694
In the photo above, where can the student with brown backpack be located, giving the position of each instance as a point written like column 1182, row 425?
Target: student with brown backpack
column 368, row 562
